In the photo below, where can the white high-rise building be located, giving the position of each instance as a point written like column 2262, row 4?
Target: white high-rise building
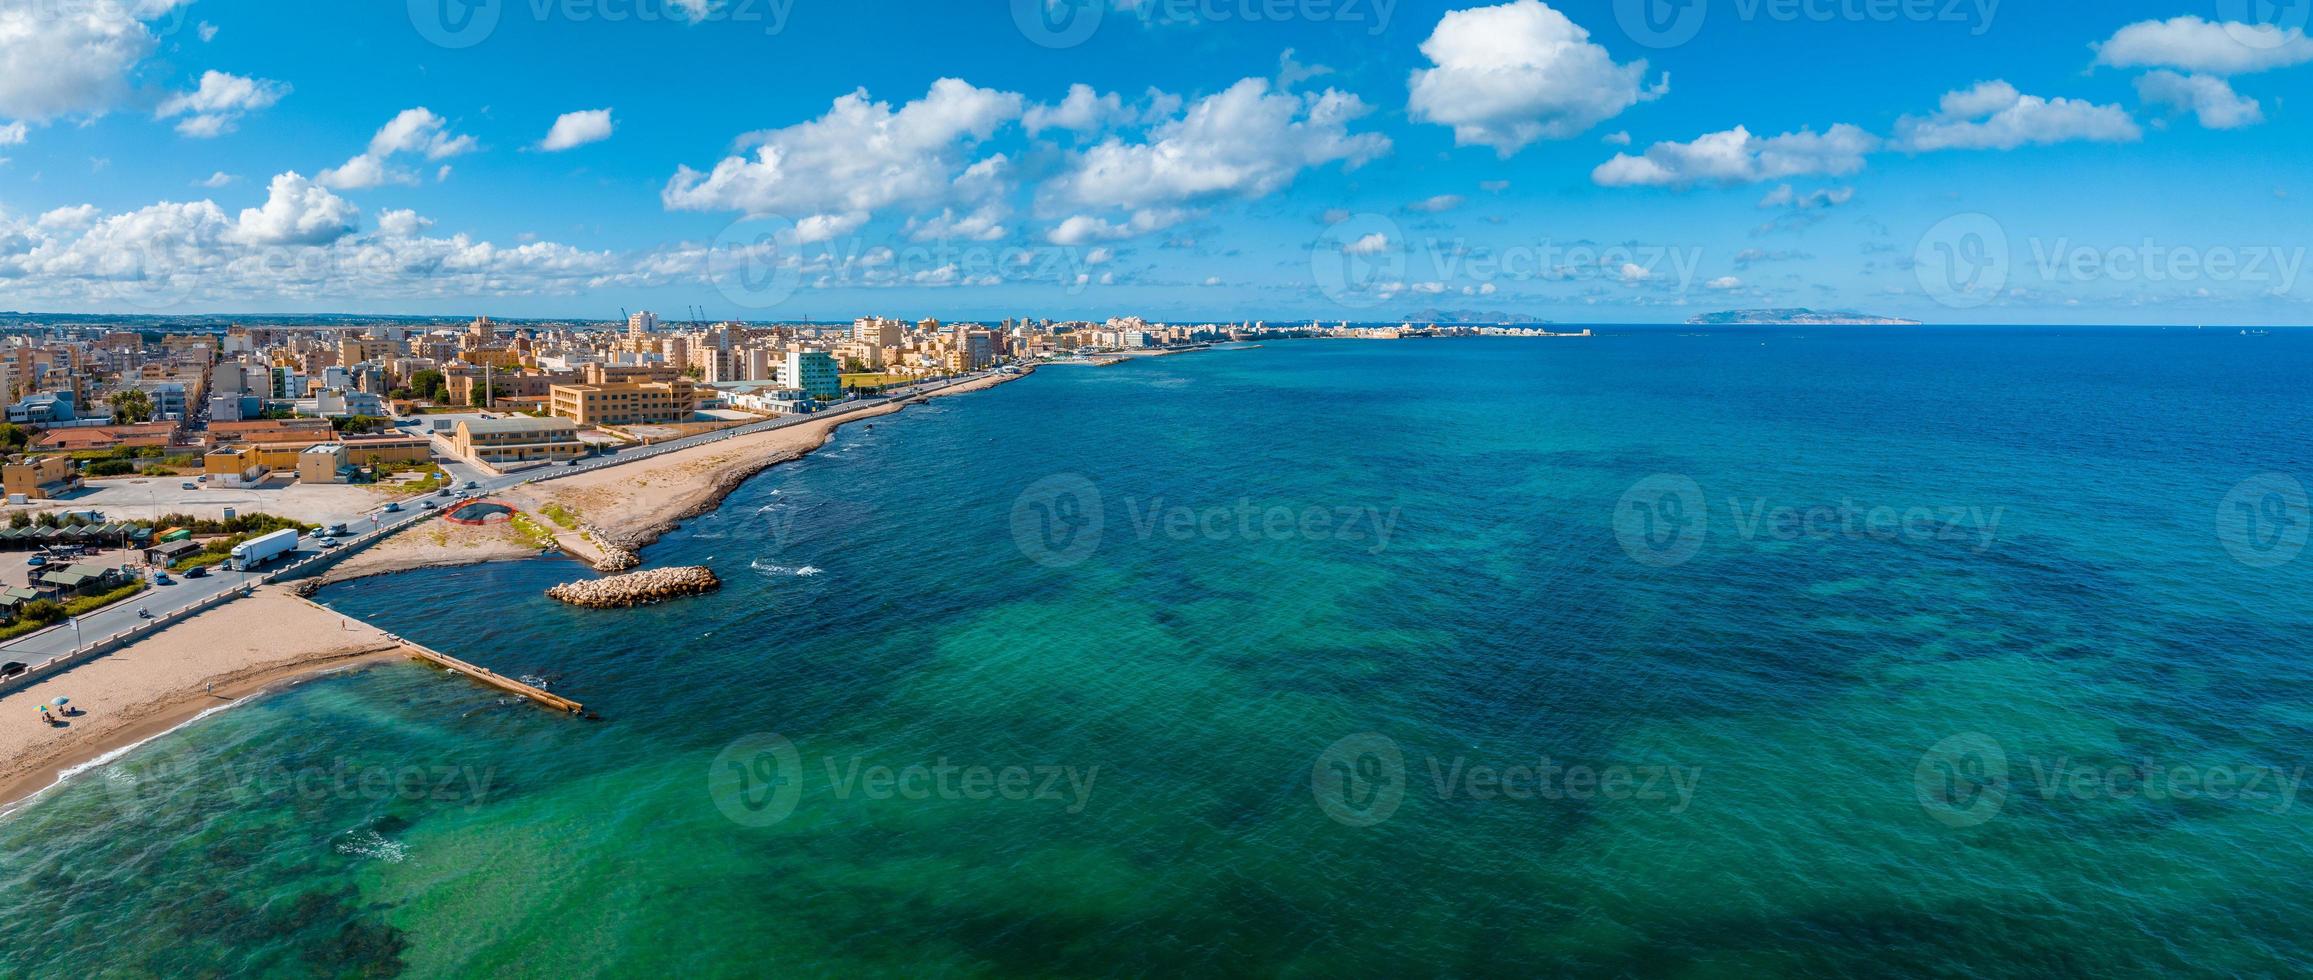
column 642, row 323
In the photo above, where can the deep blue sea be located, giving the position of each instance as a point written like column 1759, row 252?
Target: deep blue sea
column 1672, row 651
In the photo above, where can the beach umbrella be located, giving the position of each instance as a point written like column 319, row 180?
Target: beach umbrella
column 61, row 702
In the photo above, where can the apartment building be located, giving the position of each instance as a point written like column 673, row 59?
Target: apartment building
column 517, row 439
column 626, row 403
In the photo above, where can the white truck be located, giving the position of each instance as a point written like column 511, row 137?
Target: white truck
column 259, row 550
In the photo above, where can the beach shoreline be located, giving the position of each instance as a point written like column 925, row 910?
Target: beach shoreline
column 222, row 658
column 276, row 639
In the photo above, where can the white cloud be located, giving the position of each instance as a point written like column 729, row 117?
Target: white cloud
column 13, row 134
column 1084, row 229
column 1436, row 205
column 828, row 227
column 1619, row 137
column 216, row 180
column 1083, row 111
column 575, row 129
column 1372, row 244
column 59, row 59
column 1786, row 197
column 860, row 156
column 1724, row 283
column 212, row 108
column 2209, row 98
column 208, row 32
column 984, row 224
column 2195, row 45
column 1994, row 116
column 297, row 211
column 413, row 131
column 696, row 10
column 1246, row 142
column 1512, row 74
column 1736, row 156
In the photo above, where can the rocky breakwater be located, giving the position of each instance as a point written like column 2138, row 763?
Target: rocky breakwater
column 637, row 589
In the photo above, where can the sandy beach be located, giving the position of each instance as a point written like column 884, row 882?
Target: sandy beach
column 274, row 638
column 243, row 648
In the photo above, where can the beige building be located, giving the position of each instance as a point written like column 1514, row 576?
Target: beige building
column 518, row 439
column 629, row 403
column 325, row 463
column 233, row 466
column 39, row 478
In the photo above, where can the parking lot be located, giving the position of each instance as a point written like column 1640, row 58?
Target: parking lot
column 146, row 498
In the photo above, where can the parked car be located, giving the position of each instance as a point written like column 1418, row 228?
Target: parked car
column 13, row 668
column 36, row 561
column 162, row 578
column 197, row 571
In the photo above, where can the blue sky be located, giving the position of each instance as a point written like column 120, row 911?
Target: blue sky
column 1976, row 161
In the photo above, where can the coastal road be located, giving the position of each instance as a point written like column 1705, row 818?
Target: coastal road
column 471, row 482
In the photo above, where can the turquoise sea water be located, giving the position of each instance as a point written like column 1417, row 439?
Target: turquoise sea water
column 1768, row 652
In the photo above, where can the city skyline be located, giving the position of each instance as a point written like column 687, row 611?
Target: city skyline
column 1208, row 161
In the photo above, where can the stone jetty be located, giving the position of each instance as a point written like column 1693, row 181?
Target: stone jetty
column 637, row 589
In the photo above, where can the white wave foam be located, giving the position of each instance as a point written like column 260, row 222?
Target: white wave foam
column 370, row 844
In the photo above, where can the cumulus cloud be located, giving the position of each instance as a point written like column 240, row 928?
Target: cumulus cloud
column 300, row 243
column 861, row 157
column 297, row 211
column 13, row 134
column 2209, row 98
column 218, row 103
column 216, row 180
column 1085, row 229
column 1994, row 116
column 1509, row 75
column 415, row 132
column 1436, row 205
column 575, row 129
column 59, row 59
column 2194, row 45
column 1244, row 142
column 1735, row 156
column 1083, row 111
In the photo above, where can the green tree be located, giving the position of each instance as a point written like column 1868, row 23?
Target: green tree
column 131, row 406
column 14, row 437
column 429, row 384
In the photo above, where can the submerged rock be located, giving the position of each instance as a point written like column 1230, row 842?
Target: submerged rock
column 637, row 589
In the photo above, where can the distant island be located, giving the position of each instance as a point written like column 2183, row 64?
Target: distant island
column 1799, row 317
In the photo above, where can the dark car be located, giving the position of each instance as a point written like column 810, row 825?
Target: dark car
column 197, row 571
column 13, row 668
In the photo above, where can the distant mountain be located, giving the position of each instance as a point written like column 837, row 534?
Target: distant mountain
column 1799, row 317
column 1471, row 316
